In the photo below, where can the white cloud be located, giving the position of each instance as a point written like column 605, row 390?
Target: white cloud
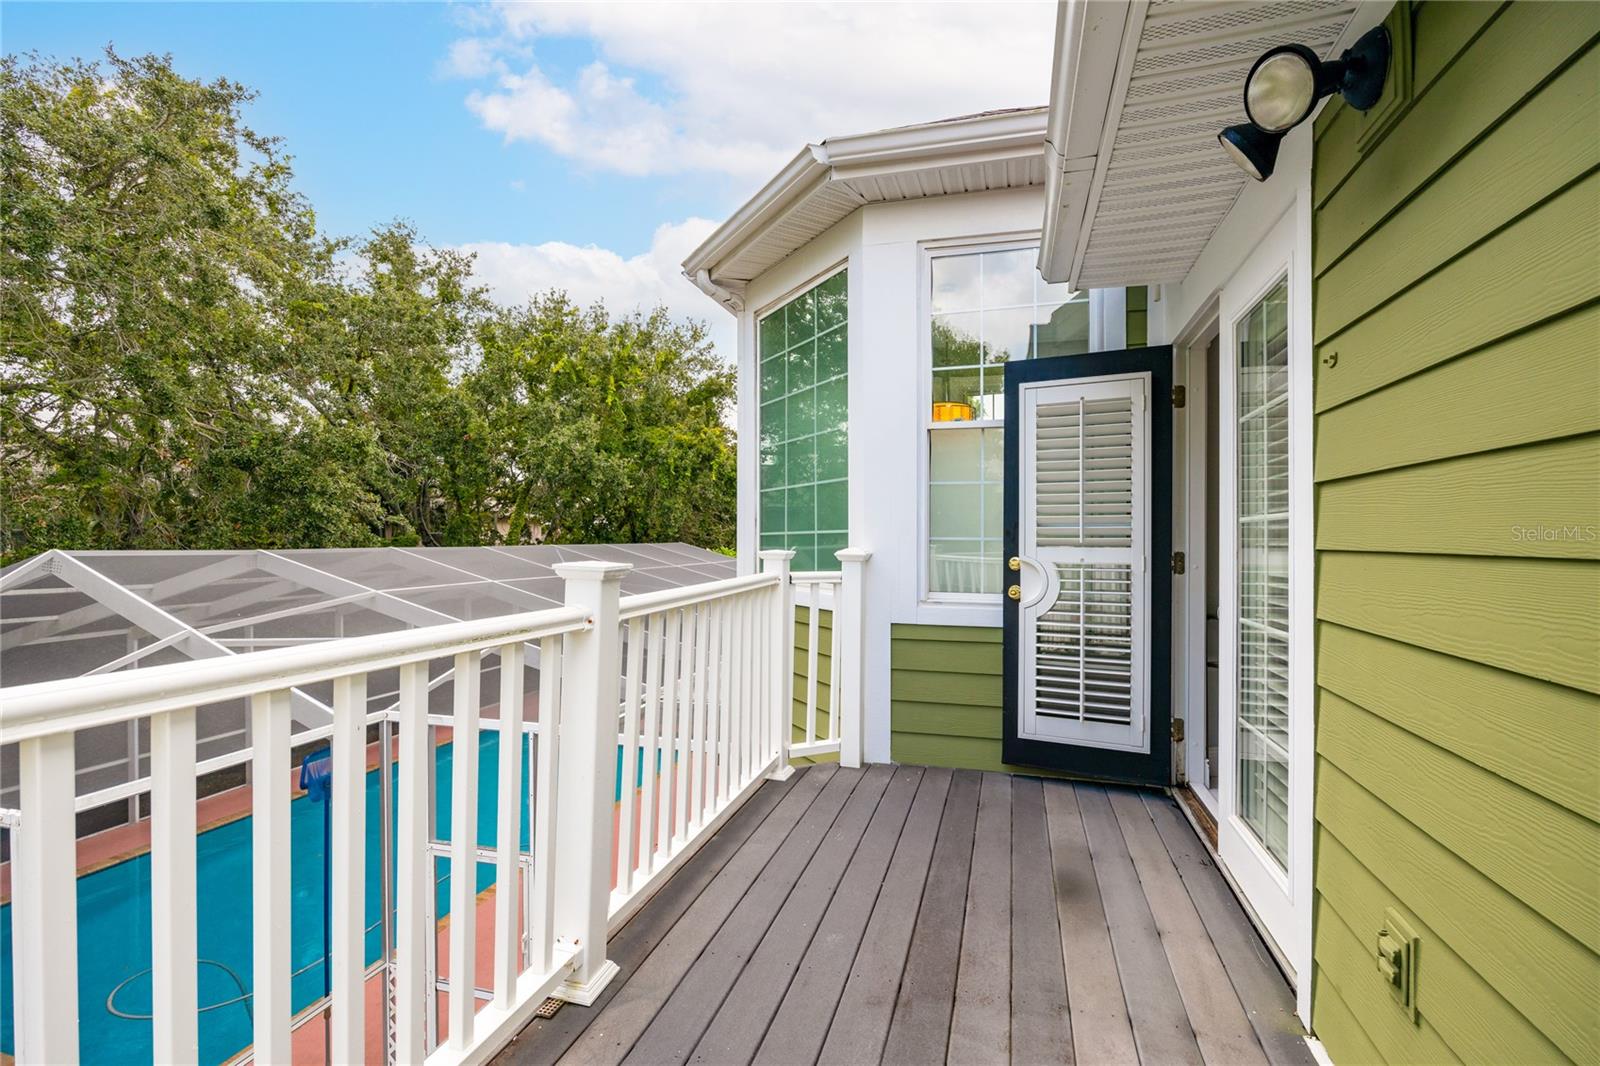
column 514, row 272
column 472, row 57
column 712, row 88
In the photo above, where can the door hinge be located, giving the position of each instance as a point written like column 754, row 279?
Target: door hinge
column 1180, row 396
column 1178, row 562
column 1177, row 730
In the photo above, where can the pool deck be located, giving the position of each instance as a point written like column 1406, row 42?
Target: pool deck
column 911, row 915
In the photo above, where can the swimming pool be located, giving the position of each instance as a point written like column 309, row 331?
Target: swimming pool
column 114, row 923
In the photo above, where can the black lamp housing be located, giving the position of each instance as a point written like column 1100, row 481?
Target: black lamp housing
column 1358, row 75
column 1253, row 150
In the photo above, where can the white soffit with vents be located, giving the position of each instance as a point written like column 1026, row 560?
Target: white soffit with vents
column 827, row 181
column 1137, row 182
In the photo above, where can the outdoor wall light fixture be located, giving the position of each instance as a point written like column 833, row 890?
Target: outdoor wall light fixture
column 1285, row 84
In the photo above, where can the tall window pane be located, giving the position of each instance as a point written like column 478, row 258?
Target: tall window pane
column 804, row 426
column 1263, row 529
column 989, row 308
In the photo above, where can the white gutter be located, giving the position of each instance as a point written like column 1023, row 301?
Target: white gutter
column 726, row 297
column 802, row 174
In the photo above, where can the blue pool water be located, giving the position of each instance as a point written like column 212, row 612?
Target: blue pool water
column 114, row 922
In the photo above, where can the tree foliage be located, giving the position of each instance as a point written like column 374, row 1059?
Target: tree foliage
column 186, row 361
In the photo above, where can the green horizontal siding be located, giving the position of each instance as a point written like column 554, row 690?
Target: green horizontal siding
column 1457, row 464
column 802, row 667
column 1138, row 316
column 946, row 693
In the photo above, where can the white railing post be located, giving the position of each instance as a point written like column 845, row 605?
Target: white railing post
column 779, row 561
column 44, row 915
column 847, row 611
column 586, row 777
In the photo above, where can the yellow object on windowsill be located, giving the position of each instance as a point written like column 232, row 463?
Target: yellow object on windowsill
column 952, row 412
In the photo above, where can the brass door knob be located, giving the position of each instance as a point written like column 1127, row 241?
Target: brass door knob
column 1015, row 592
column 1015, row 563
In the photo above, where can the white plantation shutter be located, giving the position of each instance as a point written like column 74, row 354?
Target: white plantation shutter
column 1085, row 522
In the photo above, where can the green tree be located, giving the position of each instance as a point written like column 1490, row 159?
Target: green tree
column 151, row 240
column 607, row 428
column 185, row 361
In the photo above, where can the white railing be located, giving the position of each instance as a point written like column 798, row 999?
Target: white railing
column 698, row 682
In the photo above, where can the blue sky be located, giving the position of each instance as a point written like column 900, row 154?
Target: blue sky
column 589, row 146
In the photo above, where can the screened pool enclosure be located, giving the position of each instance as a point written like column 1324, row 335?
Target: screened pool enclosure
column 77, row 614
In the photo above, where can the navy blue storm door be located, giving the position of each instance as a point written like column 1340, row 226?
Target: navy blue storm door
column 1088, row 538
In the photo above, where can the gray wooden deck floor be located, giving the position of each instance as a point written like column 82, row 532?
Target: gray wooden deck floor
column 911, row 915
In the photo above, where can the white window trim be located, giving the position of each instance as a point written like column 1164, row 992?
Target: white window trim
column 1107, row 332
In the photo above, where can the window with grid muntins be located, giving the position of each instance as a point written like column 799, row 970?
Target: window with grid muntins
column 804, row 425
column 988, row 309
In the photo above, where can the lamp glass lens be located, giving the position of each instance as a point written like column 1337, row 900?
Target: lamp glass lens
column 1244, row 162
column 1281, row 92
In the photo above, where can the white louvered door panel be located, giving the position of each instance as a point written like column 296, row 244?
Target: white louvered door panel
column 1085, row 505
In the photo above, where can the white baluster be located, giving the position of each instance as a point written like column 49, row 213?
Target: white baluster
column 464, row 851
column 542, row 895
column 669, row 737
column 174, row 1002
column 347, row 858
column 813, row 649
column 702, row 749
column 44, row 894
column 684, row 731
column 587, row 777
column 508, row 831
column 633, row 687
column 834, row 661
column 725, row 761
column 415, row 867
column 650, row 756
column 271, row 1005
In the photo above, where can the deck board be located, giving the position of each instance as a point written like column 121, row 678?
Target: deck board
column 614, row 1029
column 1215, row 1014
column 980, row 1024
column 919, row 1032
column 1161, row 1028
column 741, row 1022
column 546, row 1040
column 861, row 1022
column 1267, row 1000
column 897, row 914
column 803, row 1019
column 1040, row 1030
column 1097, row 1009
column 683, row 1018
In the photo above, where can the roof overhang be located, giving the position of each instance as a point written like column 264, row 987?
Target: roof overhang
column 825, row 182
column 1136, row 181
